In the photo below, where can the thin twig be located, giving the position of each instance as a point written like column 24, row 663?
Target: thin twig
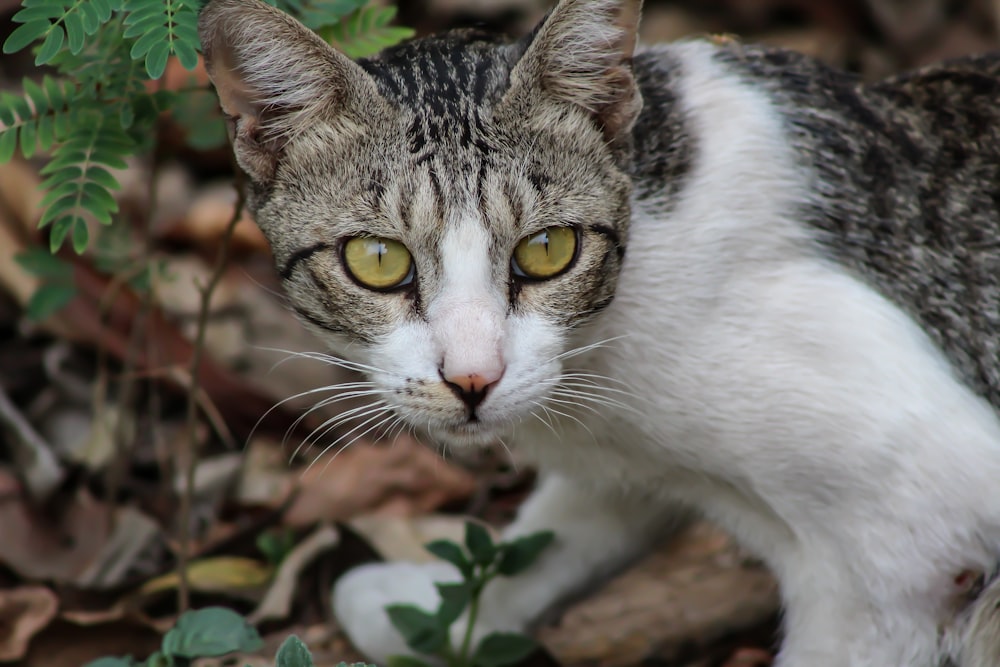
column 187, row 493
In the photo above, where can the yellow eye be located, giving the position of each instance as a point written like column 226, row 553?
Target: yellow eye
column 378, row 263
column 544, row 254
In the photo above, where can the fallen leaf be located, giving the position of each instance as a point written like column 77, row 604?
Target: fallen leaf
column 277, row 602
column 38, row 548
column 221, row 574
column 402, row 478
column 403, row 538
column 204, row 223
column 24, row 611
column 749, row 657
column 64, row 644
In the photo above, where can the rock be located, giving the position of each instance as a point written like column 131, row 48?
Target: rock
column 695, row 591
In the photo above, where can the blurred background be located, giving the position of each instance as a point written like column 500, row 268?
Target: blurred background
column 144, row 426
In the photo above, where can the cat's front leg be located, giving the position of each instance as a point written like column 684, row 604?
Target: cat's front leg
column 596, row 533
column 838, row 616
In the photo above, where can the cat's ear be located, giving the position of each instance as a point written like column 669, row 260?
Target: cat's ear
column 581, row 54
column 274, row 78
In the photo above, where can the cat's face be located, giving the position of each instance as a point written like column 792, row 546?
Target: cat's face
column 447, row 215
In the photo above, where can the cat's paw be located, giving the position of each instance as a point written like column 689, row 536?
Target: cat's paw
column 361, row 595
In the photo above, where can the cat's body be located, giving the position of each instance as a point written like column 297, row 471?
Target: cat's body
column 803, row 337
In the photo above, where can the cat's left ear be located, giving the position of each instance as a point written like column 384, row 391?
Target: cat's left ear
column 581, row 54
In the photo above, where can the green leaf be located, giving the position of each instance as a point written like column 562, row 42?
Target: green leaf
column 89, row 18
column 451, row 552
column 60, row 228
column 111, row 662
column 25, row 35
column 422, row 630
column 293, row 653
column 81, row 236
column 186, row 54
column 501, row 649
column 159, row 659
column 403, row 661
column 210, row 632
column 48, row 299
column 8, row 145
column 516, row 556
column 276, row 544
column 144, row 44
column 29, row 140
column 74, row 31
column 455, row 597
column 43, row 264
column 366, row 31
column 103, row 178
column 156, row 59
column 46, row 131
column 36, row 12
column 36, row 95
column 50, row 47
column 479, row 543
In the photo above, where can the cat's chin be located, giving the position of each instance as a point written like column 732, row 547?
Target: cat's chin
column 471, row 434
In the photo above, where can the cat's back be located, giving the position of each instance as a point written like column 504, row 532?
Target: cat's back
column 906, row 187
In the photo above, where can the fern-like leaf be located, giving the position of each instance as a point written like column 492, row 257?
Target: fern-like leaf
column 366, row 31
column 55, row 22
column 38, row 118
column 317, row 14
column 161, row 29
column 78, row 181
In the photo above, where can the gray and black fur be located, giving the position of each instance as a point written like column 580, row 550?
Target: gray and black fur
column 907, row 188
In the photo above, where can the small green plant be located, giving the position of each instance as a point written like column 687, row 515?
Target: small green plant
column 479, row 560
column 293, row 653
column 213, row 632
column 202, row 633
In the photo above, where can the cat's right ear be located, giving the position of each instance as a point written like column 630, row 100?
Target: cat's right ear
column 274, row 78
column 581, row 54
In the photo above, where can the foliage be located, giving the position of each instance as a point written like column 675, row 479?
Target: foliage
column 203, row 633
column 213, row 632
column 479, row 560
column 101, row 105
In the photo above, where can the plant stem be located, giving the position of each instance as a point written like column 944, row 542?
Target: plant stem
column 187, row 495
column 463, row 653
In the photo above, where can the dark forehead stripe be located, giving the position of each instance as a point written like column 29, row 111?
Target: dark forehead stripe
column 442, row 72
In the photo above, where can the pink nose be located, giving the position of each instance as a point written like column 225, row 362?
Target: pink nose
column 471, row 388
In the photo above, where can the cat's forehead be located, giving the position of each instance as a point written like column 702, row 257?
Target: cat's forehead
column 446, row 75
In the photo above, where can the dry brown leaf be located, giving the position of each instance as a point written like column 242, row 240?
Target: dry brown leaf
column 24, row 612
column 39, row 548
column 277, row 602
column 749, row 657
column 90, row 544
column 205, row 222
column 403, row 478
column 63, row 644
column 402, row 538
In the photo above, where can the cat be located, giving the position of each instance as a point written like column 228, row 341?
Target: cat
column 704, row 275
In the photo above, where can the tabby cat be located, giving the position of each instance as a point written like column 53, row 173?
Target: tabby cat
column 702, row 275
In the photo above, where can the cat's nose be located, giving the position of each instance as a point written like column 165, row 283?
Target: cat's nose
column 472, row 388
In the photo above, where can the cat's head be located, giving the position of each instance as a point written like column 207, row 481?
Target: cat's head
column 445, row 212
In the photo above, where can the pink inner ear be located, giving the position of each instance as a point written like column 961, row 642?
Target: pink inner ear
column 236, row 97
